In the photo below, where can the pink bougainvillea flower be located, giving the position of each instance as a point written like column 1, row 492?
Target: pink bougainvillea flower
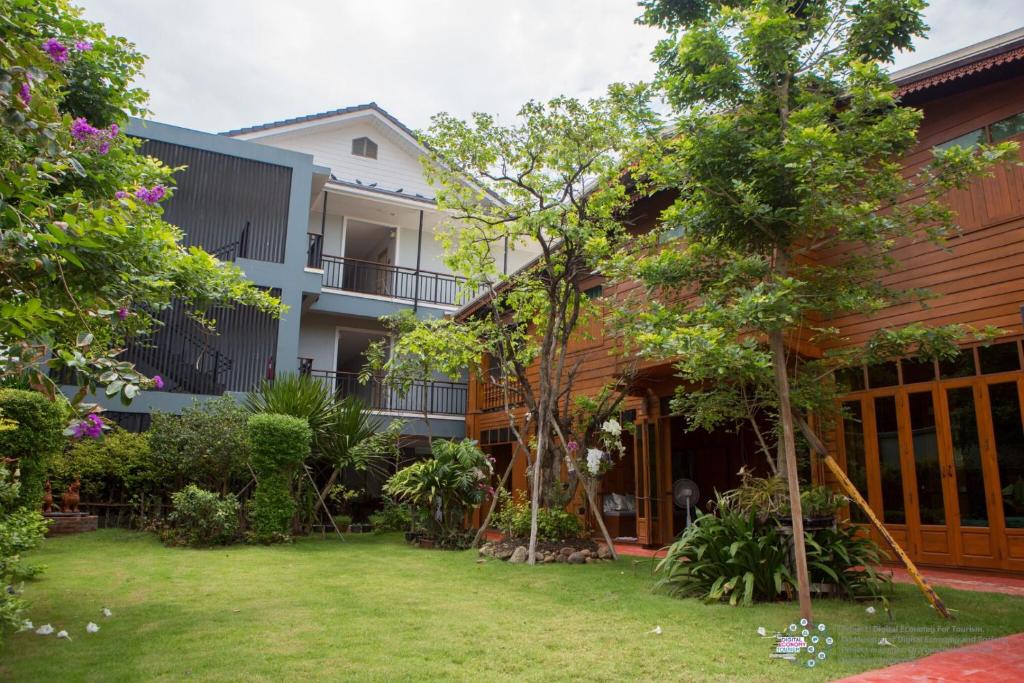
column 83, row 45
column 114, row 130
column 25, row 94
column 122, row 313
column 91, row 426
column 158, row 381
column 120, row 194
column 572, row 446
column 53, row 47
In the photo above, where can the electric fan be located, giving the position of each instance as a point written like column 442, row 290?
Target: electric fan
column 686, row 493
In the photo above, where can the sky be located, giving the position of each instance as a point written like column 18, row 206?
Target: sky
column 215, row 65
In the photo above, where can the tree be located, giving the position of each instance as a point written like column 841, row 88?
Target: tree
column 87, row 260
column 557, row 170
column 786, row 157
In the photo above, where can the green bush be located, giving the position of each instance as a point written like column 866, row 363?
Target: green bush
column 112, row 469
column 21, row 529
column 444, row 487
column 392, row 517
column 35, row 440
column 206, row 445
column 513, row 519
column 729, row 555
column 202, row 518
column 278, row 444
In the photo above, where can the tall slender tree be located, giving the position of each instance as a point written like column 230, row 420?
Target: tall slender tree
column 786, row 157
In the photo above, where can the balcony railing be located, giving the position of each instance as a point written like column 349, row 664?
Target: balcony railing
column 494, row 396
column 433, row 397
column 381, row 279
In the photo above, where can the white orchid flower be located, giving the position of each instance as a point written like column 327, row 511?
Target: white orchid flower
column 594, row 457
column 885, row 641
column 44, row 630
column 869, row 610
column 107, row 612
column 91, row 627
column 63, row 634
column 656, row 630
column 761, row 631
column 612, row 427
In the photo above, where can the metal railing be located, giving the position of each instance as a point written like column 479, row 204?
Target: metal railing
column 494, row 396
column 434, row 397
column 382, row 279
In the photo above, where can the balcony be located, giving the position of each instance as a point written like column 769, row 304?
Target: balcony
column 386, row 280
column 433, row 397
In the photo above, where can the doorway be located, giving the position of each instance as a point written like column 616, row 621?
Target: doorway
column 370, row 256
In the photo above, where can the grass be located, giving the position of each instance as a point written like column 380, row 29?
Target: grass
column 374, row 609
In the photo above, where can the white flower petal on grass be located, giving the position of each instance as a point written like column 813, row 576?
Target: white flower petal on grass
column 107, row 612
column 885, row 641
column 869, row 610
column 761, row 631
column 63, row 634
column 44, row 630
column 91, row 627
column 27, row 625
column 656, row 630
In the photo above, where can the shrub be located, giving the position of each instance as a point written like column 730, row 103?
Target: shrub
column 741, row 558
column 21, row 529
column 444, row 487
column 36, row 438
column 392, row 517
column 205, row 445
column 278, row 443
column 202, row 518
column 513, row 519
column 111, row 469
column 301, row 396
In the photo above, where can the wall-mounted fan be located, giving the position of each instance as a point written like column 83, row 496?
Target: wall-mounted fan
column 686, row 494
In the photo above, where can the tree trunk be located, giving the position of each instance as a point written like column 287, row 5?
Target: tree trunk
column 599, row 516
column 778, row 350
column 538, row 474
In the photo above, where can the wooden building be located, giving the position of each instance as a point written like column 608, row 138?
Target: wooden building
column 938, row 449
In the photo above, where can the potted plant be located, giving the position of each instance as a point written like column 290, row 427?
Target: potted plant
column 820, row 505
column 343, row 522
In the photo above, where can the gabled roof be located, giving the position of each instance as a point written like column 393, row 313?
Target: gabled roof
column 370, row 106
column 996, row 51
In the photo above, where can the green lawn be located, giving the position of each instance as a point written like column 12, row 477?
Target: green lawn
column 374, row 609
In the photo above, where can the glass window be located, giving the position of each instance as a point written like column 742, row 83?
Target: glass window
column 998, row 358
column 850, row 379
column 883, row 375
column 961, row 365
column 364, row 147
column 1008, row 127
column 887, row 428
column 926, row 458
column 1009, row 432
column 853, row 441
column 970, row 479
column 965, row 140
column 916, row 370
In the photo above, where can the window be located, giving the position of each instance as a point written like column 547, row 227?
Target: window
column 595, row 292
column 364, row 147
column 994, row 132
column 1007, row 128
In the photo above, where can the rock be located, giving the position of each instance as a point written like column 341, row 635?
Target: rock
column 519, row 555
column 548, row 558
column 566, row 551
column 591, row 560
column 502, row 553
column 576, row 558
column 486, row 549
column 586, row 552
column 604, row 552
column 561, row 558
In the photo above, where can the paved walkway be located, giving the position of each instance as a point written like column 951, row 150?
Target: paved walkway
column 1001, row 659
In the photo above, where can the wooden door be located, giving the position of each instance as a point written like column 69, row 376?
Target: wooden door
column 641, row 464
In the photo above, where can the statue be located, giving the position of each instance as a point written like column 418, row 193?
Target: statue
column 47, row 497
column 69, row 501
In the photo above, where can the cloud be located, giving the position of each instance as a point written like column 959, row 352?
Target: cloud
column 216, row 65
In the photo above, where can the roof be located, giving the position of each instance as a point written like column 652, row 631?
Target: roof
column 369, row 106
column 995, row 51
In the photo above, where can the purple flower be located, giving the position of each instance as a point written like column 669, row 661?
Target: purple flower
column 58, row 53
column 114, row 130
column 572, row 445
column 151, row 196
column 83, row 45
column 120, row 194
column 81, row 130
column 91, row 426
column 122, row 313
column 26, row 92
column 103, row 148
column 490, row 490
column 158, row 381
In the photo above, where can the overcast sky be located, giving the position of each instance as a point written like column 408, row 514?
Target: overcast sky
column 221, row 64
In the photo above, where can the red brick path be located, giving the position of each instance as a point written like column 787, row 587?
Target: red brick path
column 1001, row 659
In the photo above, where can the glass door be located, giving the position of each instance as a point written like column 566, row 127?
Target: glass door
column 643, row 470
column 1004, row 477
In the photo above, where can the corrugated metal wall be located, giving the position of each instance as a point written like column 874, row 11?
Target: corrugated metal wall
column 218, row 194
